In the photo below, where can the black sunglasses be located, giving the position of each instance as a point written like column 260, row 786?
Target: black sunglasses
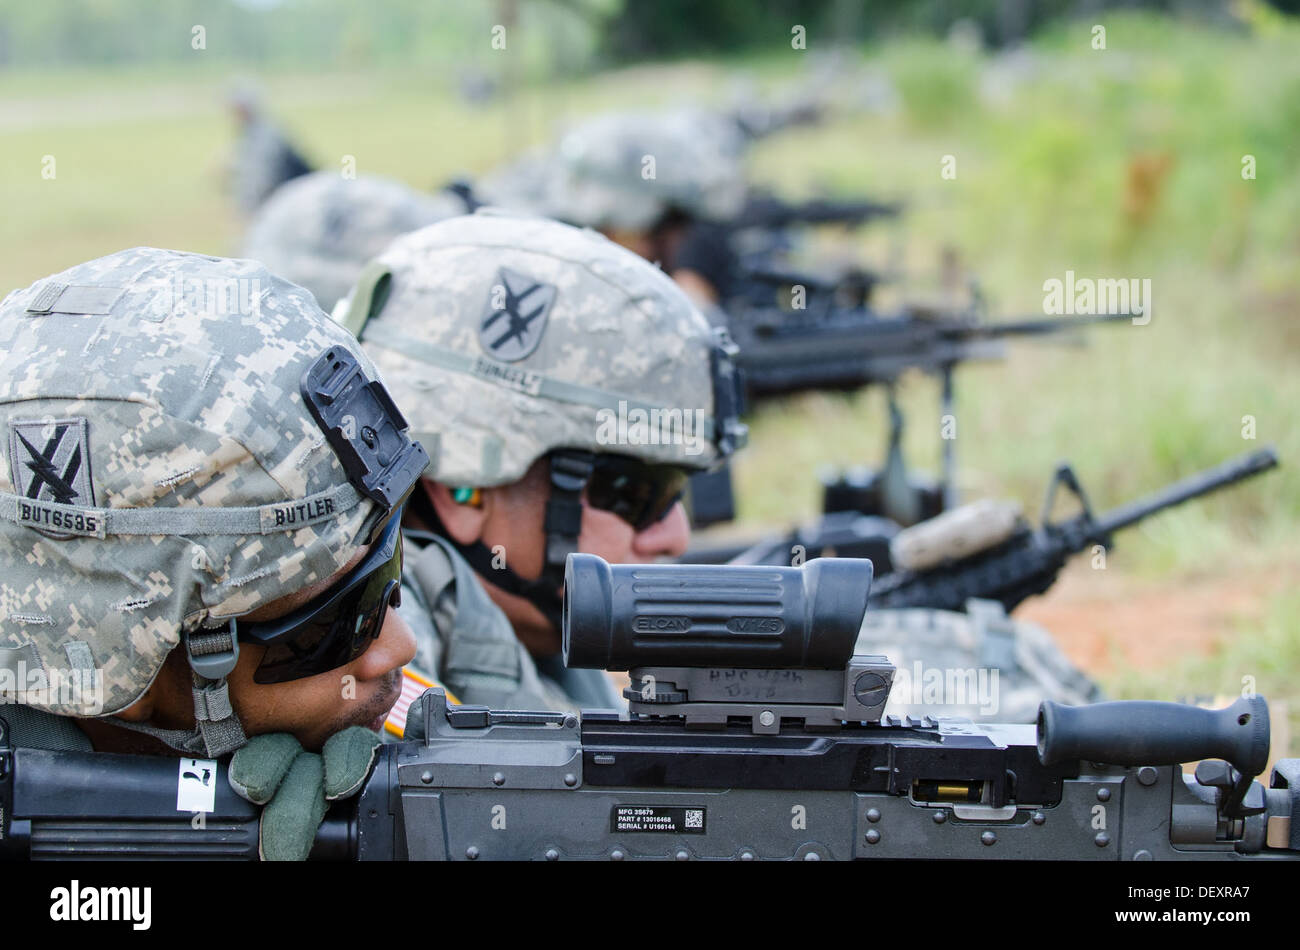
column 639, row 492
column 338, row 626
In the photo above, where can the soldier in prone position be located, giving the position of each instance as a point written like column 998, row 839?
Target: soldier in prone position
column 320, row 230
column 565, row 389
column 196, row 546
column 654, row 182
column 262, row 158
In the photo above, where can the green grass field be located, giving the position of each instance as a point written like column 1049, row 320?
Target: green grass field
column 1050, row 154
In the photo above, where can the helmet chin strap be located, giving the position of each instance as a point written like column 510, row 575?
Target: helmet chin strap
column 212, row 656
column 570, row 470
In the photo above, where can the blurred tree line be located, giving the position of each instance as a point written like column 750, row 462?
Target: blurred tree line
column 563, row 36
column 652, row 28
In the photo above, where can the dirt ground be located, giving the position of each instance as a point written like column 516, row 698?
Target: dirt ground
column 1104, row 620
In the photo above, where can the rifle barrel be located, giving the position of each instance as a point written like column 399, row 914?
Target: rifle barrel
column 1033, row 327
column 1202, row 483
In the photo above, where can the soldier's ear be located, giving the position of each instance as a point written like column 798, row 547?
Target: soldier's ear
column 463, row 521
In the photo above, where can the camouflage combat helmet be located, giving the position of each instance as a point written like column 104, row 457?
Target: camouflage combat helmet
column 522, row 186
column 512, row 338
column 504, row 337
column 162, row 475
column 320, row 230
column 627, row 170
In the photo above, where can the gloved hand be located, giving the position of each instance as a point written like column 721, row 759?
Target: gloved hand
column 273, row 770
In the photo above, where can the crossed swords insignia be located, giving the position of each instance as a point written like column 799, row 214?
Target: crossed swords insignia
column 520, row 335
column 62, row 485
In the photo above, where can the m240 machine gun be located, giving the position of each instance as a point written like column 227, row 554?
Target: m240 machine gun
column 831, row 346
column 753, row 733
column 985, row 550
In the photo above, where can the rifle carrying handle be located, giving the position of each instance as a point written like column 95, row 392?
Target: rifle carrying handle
column 1151, row 733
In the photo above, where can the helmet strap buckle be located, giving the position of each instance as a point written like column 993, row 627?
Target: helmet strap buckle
column 570, row 471
column 212, row 654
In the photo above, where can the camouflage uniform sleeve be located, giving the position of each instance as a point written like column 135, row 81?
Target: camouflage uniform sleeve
column 415, row 611
column 464, row 640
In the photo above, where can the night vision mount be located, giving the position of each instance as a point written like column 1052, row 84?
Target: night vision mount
column 364, row 427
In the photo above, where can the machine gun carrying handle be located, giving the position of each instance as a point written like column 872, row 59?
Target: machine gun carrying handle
column 1152, row 733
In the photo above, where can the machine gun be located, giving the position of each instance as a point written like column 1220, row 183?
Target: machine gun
column 829, row 346
column 753, row 732
column 986, row 551
column 764, row 210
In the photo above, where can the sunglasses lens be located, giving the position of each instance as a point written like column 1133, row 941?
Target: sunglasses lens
column 339, row 630
column 637, row 492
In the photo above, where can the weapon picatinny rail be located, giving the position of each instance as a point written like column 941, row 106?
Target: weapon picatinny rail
column 660, row 782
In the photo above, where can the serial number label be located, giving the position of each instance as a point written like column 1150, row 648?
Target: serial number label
column 657, row 818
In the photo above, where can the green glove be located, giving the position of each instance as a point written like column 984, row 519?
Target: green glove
column 294, row 786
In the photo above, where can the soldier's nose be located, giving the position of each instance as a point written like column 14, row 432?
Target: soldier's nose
column 392, row 649
column 667, row 537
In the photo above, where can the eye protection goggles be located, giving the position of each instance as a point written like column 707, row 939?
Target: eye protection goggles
column 639, row 492
column 335, row 628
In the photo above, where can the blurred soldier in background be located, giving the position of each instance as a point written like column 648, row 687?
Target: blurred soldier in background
column 653, row 182
column 190, row 554
column 565, row 389
column 977, row 663
column 262, row 159
column 672, row 185
column 319, row 230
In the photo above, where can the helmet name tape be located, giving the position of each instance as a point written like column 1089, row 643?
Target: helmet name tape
column 523, row 380
column 515, row 317
column 102, row 522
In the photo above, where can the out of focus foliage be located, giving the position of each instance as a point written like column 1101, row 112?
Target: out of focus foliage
column 657, row 28
column 548, row 37
column 554, row 36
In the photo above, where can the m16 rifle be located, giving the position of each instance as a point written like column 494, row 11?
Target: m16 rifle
column 992, row 554
column 753, row 732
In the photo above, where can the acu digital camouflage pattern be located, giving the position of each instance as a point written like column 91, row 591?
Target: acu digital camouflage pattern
column 319, row 230
column 522, row 186
column 190, row 399
column 625, row 170
column 980, row 664
column 616, row 326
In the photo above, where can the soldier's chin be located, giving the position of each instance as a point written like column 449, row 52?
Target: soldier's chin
column 372, row 713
